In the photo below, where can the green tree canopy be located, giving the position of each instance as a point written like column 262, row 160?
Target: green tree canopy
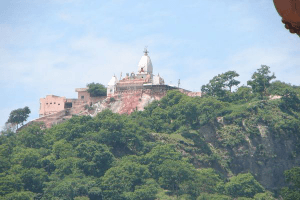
column 278, row 87
column 229, row 80
column 220, row 84
column 97, row 89
column 32, row 136
column 243, row 94
column 243, row 185
column 18, row 116
column 207, row 196
column 261, row 80
column 124, row 178
column 96, row 158
column 293, row 178
column 174, row 172
column 290, row 100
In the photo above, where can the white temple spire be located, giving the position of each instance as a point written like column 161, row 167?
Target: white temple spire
column 145, row 64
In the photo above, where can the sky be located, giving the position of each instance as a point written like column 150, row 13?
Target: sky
column 54, row 46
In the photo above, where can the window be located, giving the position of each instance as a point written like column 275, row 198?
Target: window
column 51, row 103
column 54, row 103
column 58, row 104
column 82, row 97
column 46, row 103
column 68, row 105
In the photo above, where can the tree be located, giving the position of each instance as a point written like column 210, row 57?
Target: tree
column 229, row 80
column 278, row 87
column 261, row 80
column 66, row 166
column 32, row 136
column 9, row 184
column 147, row 191
column 18, row 116
column 27, row 157
column 75, row 185
column 209, row 109
column 174, row 172
column 124, row 178
column 203, row 181
column 290, row 100
column 62, row 149
column 158, row 155
column 292, row 192
column 219, row 85
column 243, row 185
column 215, row 87
column 96, row 89
column 33, row 179
column 243, row 94
column 96, row 158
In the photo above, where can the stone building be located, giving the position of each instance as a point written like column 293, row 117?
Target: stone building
column 53, row 104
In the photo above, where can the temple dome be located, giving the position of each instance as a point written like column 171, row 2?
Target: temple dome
column 145, row 64
column 113, row 81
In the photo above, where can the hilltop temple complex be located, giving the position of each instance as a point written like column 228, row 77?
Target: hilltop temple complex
column 130, row 93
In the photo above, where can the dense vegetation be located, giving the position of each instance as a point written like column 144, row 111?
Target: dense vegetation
column 96, row 89
column 163, row 152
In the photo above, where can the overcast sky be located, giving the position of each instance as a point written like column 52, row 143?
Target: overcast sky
column 54, row 46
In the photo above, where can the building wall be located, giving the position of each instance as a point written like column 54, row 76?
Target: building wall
column 84, row 96
column 51, row 104
column 111, row 90
column 157, row 80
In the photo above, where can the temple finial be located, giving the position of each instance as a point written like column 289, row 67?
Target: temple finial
column 146, row 50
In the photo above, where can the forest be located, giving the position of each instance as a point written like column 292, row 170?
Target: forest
column 233, row 143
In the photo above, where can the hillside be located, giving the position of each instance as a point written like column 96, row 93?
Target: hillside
column 231, row 146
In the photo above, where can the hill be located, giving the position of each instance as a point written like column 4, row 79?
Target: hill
column 236, row 145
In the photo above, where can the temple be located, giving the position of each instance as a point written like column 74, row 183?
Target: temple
column 133, row 81
column 124, row 95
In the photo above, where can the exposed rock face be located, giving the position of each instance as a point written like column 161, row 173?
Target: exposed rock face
column 266, row 155
column 125, row 102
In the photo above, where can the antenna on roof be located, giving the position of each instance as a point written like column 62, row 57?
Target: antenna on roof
column 146, row 50
column 178, row 82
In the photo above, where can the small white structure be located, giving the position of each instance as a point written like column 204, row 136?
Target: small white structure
column 111, row 87
column 157, row 80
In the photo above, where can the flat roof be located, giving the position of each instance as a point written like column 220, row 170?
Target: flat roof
column 81, row 89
